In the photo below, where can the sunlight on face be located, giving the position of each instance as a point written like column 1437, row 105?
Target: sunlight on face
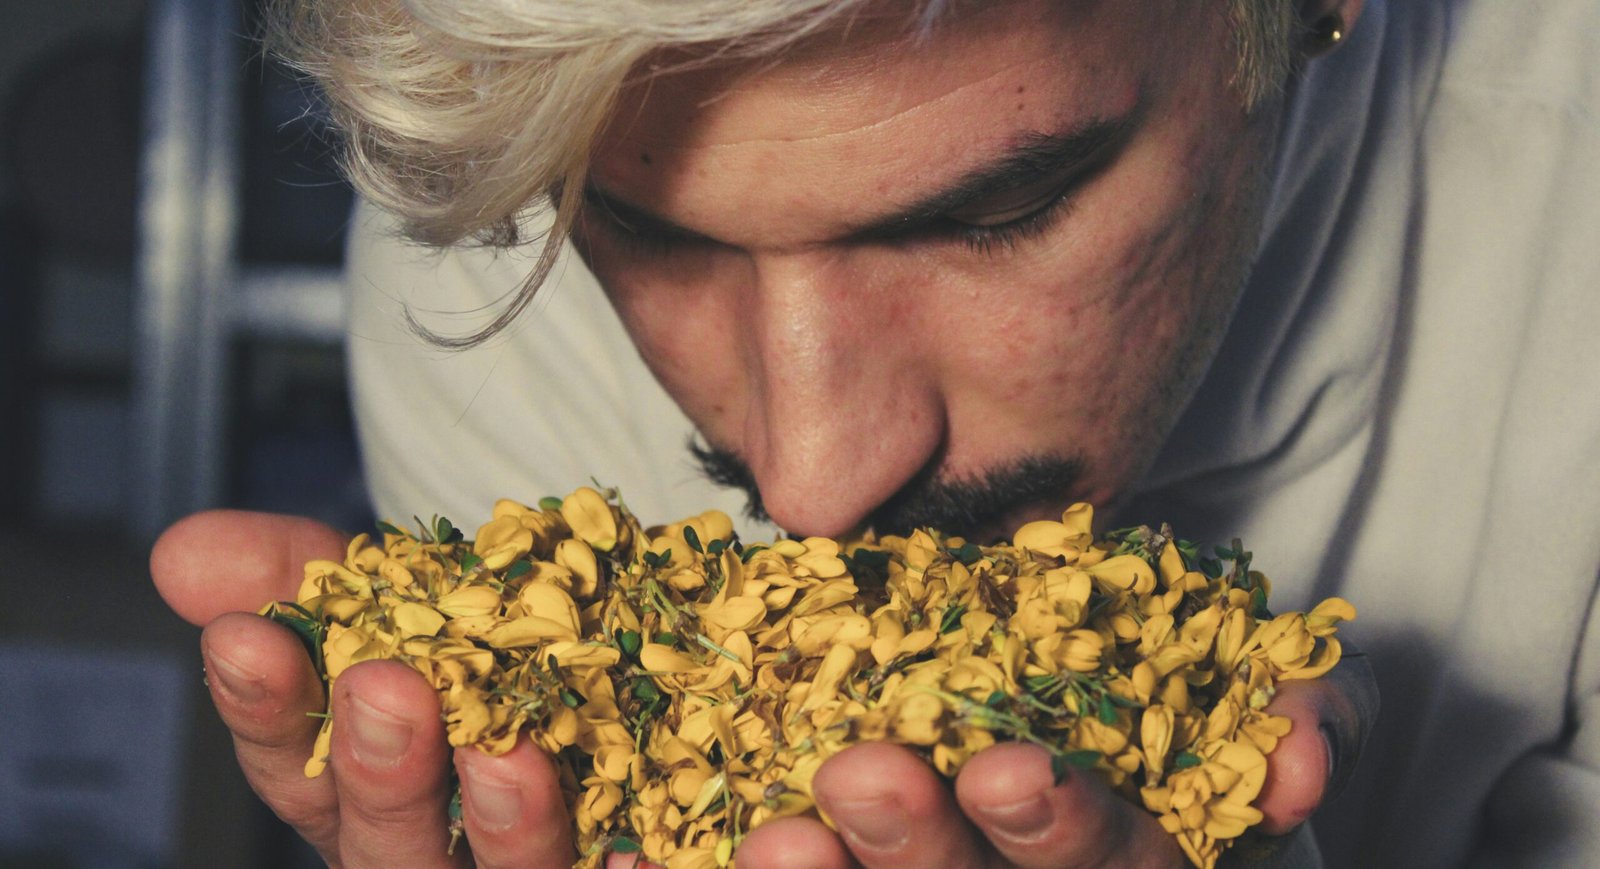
column 903, row 272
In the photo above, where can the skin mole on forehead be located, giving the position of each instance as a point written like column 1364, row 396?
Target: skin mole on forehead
column 644, row 157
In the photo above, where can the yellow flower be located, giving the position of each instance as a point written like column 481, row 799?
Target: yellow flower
column 502, row 541
column 416, row 619
column 589, row 516
column 689, row 693
column 1156, row 727
column 578, row 558
column 1125, row 573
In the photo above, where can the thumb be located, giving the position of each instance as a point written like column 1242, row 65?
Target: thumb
column 229, row 561
column 1331, row 718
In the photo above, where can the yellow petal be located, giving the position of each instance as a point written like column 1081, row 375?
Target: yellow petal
column 1125, row 573
column 502, row 541
column 1330, row 612
column 470, row 600
column 590, row 518
column 1172, row 569
column 578, row 557
column 582, row 654
column 837, row 664
column 1079, row 518
column 529, row 631
column 318, row 761
column 416, row 619
column 735, row 614
column 659, row 658
column 551, row 602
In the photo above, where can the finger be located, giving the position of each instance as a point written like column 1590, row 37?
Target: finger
column 233, row 561
column 513, row 809
column 791, row 843
column 893, row 810
column 391, row 766
column 263, row 685
column 1329, row 721
column 1009, row 791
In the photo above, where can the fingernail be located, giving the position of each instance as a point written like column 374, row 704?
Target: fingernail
column 1022, row 819
column 378, row 738
column 1336, row 776
column 493, row 805
column 243, row 686
column 880, row 825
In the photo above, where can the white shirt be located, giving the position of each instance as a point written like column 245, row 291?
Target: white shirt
column 1405, row 413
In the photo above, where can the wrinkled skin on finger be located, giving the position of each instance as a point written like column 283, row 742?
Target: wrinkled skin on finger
column 383, row 799
column 1006, row 809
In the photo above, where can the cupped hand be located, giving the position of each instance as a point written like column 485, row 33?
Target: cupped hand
column 1006, row 808
column 383, row 800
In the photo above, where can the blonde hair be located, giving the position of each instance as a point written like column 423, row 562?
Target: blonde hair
column 463, row 116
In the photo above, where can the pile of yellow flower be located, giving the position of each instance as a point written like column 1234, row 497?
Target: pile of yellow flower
column 689, row 686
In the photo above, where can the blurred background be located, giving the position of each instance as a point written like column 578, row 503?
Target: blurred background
column 170, row 235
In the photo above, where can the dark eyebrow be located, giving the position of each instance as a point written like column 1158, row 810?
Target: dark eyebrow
column 1031, row 156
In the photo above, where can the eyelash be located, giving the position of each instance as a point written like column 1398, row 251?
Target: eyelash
column 1004, row 237
column 984, row 240
column 634, row 241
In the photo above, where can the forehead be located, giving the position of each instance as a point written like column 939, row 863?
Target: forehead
column 870, row 106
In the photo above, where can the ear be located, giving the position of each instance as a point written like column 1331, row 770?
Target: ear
column 1325, row 24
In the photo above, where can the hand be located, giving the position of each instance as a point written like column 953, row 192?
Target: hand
column 383, row 800
column 1006, row 810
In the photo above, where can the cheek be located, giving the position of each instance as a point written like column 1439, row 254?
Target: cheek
column 686, row 335
column 1090, row 343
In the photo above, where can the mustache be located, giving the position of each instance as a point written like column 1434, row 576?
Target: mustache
column 956, row 505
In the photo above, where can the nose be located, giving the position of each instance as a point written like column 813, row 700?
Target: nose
column 843, row 408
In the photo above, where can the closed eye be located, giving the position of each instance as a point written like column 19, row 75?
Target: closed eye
column 634, row 229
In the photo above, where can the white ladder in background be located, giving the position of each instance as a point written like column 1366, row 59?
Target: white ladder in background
column 194, row 297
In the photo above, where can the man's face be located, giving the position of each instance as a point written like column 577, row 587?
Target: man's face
column 960, row 280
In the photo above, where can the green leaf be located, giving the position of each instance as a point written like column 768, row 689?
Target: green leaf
column 455, row 805
column 995, row 699
column 1082, row 759
column 1107, row 711
column 966, row 553
column 629, row 642
column 624, row 845
column 716, row 547
column 644, row 689
column 1258, row 604
column 445, row 532
column 1062, row 764
column 470, row 562
column 1211, row 567
column 952, row 618
column 1186, row 760
column 750, row 551
column 308, row 631
column 874, row 559
column 572, row 699
column 692, row 537
column 388, row 528
column 667, row 639
column 549, row 502
column 517, row 569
